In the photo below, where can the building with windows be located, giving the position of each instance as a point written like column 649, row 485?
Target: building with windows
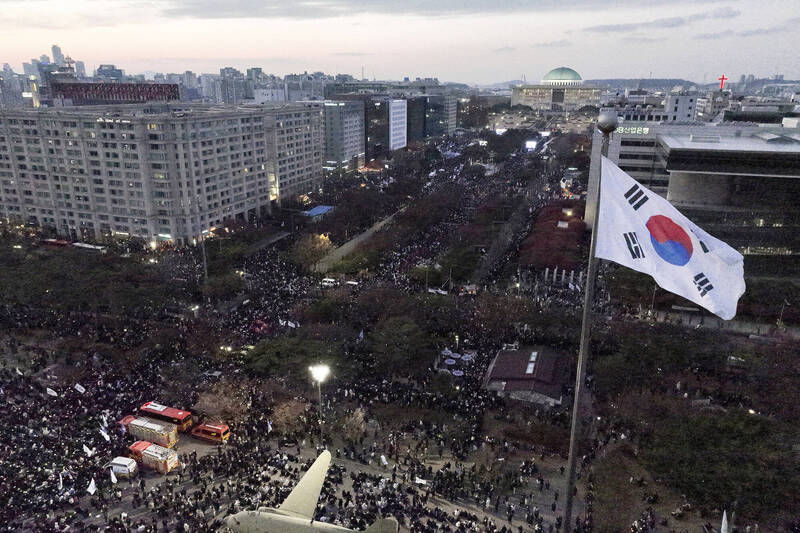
column 344, row 134
column 75, row 93
column 397, row 124
column 673, row 107
column 160, row 172
column 738, row 181
column 561, row 89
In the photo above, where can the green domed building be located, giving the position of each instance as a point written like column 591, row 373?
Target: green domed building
column 561, row 90
column 562, row 76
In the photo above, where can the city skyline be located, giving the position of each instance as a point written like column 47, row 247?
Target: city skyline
column 478, row 42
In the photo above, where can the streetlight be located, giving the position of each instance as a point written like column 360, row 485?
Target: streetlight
column 319, row 373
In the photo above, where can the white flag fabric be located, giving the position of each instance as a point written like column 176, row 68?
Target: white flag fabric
column 105, row 435
column 87, row 451
column 51, row 392
column 60, row 482
column 724, row 527
column 113, row 476
column 80, row 388
column 641, row 230
column 92, row 488
column 19, row 372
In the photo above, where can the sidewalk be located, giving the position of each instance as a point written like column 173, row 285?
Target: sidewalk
column 324, row 264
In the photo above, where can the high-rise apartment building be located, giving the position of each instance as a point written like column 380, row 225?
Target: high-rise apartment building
column 158, row 172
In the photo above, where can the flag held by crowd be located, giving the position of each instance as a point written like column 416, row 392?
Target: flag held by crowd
column 51, row 392
column 641, row 230
column 79, row 388
column 113, row 476
column 92, row 488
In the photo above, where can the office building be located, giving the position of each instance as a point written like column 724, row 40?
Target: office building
column 441, row 115
column 161, row 172
column 673, row 107
column 58, row 56
column 333, row 89
column 738, row 181
column 109, row 73
column 561, row 90
column 416, row 107
column 66, row 94
column 710, row 106
column 397, row 124
column 80, row 69
column 344, row 134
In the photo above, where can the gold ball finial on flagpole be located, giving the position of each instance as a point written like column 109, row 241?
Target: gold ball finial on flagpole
column 607, row 122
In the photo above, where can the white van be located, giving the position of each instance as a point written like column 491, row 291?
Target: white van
column 123, row 466
column 328, row 282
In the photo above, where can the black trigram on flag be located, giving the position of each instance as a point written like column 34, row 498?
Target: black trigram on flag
column 702, row 284
column 636, row 197
column 702, row 244
column 633, row 245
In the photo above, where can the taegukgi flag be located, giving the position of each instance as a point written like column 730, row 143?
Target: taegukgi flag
column 641, row 230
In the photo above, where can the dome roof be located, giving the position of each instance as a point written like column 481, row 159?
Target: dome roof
column 562, row 74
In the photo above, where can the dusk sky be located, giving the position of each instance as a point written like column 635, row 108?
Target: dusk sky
column 472, row 41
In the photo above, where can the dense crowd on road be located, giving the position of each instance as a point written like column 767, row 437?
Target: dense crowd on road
column 59, row 438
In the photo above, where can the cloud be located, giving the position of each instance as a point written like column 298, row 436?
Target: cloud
column 504, row 49
column 643, row 39
column 319, row 9
column 561, row 43
column 713, row 36
column 788, row 25
column 667, row 22
column 351, row 54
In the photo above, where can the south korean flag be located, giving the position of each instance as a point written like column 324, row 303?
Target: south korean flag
column 640, row 230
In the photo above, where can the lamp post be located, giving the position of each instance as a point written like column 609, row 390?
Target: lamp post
column 319, row 373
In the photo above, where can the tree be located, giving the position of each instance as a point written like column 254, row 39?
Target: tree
column 310, row 248
column 401, row 346
column 223, row 287
column 353, row 426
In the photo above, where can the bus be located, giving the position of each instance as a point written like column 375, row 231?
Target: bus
column 179, row 417
column 92, row 247
column 212, row 432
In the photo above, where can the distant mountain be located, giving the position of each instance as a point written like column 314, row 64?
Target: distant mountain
column 647, row 83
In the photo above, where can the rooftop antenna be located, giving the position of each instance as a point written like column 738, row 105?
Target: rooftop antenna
column 362, row 72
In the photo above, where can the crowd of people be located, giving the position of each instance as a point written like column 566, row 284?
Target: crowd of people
column 447, row 475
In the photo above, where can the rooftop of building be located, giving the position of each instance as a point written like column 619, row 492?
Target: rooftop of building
column 172, row 109
column 536, row 368
column 562, row 74
column 767, row 141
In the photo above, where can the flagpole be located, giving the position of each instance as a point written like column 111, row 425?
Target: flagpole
column 606, row 123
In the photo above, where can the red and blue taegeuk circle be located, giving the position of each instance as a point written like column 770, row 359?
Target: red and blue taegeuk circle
column 670, row 241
